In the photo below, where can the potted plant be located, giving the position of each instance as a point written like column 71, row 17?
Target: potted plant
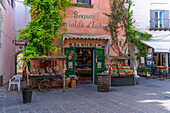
column 145, row 70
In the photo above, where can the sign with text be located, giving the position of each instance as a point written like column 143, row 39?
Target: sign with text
column 81, row 24
column 85, row 45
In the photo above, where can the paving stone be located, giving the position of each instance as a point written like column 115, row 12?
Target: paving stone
column 86, row 109
column 86, row 99
column 1, row 109
column 103, row 110
column 12, row 110
column 43, row 111
column 76, row 111
column 68, row 107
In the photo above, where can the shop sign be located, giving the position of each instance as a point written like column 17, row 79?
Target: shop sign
column 91, row 24
column 77, row 15
column 85, row 45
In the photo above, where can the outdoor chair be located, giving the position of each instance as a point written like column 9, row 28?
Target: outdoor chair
column 16, row 79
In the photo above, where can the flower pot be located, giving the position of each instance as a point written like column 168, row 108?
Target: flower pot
column 148, row 74
column 27, row 94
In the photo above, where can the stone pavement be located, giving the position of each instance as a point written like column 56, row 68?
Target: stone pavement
column 149, row 96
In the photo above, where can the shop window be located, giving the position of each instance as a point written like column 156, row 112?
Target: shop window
column 86, row 3
column 3, row 3
column 158, row 19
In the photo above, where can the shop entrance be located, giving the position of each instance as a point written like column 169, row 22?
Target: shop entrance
column 86, row 62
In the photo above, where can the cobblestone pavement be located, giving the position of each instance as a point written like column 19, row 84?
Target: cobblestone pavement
column 149, row 96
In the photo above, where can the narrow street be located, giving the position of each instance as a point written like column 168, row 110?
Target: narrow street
column 149, row 96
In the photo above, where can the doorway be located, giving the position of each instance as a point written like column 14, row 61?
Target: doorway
column 84, row 64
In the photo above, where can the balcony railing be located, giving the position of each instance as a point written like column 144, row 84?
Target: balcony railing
column 157, row 24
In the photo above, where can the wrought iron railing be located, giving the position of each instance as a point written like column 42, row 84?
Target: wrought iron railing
column 157, row 24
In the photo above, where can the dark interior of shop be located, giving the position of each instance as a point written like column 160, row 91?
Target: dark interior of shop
column 84, row 63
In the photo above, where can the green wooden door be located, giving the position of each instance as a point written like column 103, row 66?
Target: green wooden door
column 70, row 69
column 99, row 62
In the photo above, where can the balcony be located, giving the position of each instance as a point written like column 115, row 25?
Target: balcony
column 160, row 25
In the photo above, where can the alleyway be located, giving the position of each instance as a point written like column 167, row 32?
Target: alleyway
column 149, row 96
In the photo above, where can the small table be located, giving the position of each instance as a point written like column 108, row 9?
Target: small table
column 162, row 71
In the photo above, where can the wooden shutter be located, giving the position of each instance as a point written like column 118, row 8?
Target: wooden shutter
column 100, row 55
column 152, row 19
column 166, row 19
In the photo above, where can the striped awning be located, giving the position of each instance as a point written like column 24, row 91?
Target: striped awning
column 86, row 36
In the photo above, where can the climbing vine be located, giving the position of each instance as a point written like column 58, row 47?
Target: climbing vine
column 135, row 36
column 44, row 29
column 118, row 20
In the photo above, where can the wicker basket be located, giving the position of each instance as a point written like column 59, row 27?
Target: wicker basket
column 73, row 83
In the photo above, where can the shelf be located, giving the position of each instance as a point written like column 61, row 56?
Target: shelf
column 84, row 70
column 84, row 65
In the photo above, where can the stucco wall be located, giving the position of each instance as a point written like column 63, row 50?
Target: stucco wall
column 142, row 16
column 7, row 62
column 93, row 20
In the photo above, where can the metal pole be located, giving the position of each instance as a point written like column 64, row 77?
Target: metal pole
column 64, row 76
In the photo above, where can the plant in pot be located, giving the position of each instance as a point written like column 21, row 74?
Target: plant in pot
column 44, row 28
column 27, row 90
column 145, row 70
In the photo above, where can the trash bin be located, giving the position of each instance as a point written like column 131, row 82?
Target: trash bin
column 103, row 82
column 1, row 80
column 27, row 94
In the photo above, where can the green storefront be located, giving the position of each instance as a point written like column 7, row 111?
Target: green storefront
column 85, row 61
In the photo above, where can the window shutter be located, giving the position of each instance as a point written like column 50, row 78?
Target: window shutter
column 152, row 19
column 166, row 19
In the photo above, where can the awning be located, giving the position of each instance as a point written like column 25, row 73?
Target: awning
column 158, row 46
column 86, row 36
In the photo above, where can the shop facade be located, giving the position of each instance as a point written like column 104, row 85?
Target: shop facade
column 158, row 56
column 88, row 38
column 89, row 54
column 86, row 43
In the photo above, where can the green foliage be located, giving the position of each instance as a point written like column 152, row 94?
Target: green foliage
column 119, row 20
column 115, row 23
column 134, row 36
column 44, row 28
column 145, row 69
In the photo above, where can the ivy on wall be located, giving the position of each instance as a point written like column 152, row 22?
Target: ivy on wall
column 118, row 20
column 44, row 28
column 135, row 36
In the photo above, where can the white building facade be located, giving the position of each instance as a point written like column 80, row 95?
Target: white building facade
column 153, row 17
column 7, row 39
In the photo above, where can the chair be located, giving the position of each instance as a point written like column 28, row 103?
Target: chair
column 16, row 79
